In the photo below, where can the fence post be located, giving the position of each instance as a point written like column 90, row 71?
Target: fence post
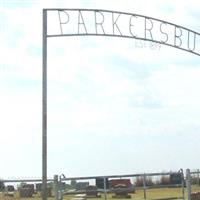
column 104, row 185
column 144, row 186
column 60, row 193
column 188, row 183
column 198, row 177
column 56, row 187
column 183, row 184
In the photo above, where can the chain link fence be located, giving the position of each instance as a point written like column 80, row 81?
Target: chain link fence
column 146, row 186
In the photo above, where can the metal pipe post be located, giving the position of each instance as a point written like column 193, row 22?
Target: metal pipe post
column 198, row 177
column 105, row 191
column 188, row 183
column 44, row 107
column 144, row 186
column 183, row 184
column 56, row 187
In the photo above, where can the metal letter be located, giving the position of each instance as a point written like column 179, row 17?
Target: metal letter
column 189, row 41
column 114, row 23
column 61, row 21
column 99, row 23
column 130, row 25
column 177, row 36
column 149, row 29
column 163, row 32
column 79, row 23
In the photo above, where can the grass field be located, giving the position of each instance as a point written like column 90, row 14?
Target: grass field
column 151, row 194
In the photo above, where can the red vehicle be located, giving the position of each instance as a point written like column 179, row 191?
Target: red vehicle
column 121, row 186
column 114, row 182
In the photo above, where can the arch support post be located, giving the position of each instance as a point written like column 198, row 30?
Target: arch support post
column 44, row 107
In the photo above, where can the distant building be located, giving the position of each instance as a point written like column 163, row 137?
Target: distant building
column 100, row 183
column 175, row 178
column 73, row 183
column 62, row 185
column 10, row 188
column 81, row 185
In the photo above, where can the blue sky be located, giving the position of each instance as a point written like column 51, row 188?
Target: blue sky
column 113, row 107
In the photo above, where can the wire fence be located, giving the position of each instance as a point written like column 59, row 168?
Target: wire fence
column 145, row 186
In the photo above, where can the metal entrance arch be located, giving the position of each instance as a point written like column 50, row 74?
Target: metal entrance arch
column 96, row 22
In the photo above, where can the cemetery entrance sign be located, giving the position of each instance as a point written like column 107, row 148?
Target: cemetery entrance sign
column 89, row 22
column 95, row 22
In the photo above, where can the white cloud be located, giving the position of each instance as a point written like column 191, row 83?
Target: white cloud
column 178, row 86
